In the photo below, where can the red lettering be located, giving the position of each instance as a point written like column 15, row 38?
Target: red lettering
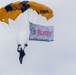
column 45, row 33
column 39, row 32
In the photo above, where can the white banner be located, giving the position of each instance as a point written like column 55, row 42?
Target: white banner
column 41, row 33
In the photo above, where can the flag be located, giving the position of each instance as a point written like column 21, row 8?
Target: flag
column 41, row 33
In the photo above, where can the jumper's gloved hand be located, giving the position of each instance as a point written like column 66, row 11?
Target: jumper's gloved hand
column 26, row 45
column 19, row 45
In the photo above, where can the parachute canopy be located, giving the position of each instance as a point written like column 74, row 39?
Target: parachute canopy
column 13, row 10
column 41, row 9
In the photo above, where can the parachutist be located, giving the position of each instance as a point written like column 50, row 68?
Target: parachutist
column 21, row 52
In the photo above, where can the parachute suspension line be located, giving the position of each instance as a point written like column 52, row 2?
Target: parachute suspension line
column 23, row 32
column 13, row 35
column 27, row 27
column 8, row 30
column 30, row 15
column 34, row 17
column 13, row 29
column 44, row 21
column 18, row 30
column 23, row 26
column 41, row 20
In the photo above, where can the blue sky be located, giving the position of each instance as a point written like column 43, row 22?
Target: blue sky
column 44, row 58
